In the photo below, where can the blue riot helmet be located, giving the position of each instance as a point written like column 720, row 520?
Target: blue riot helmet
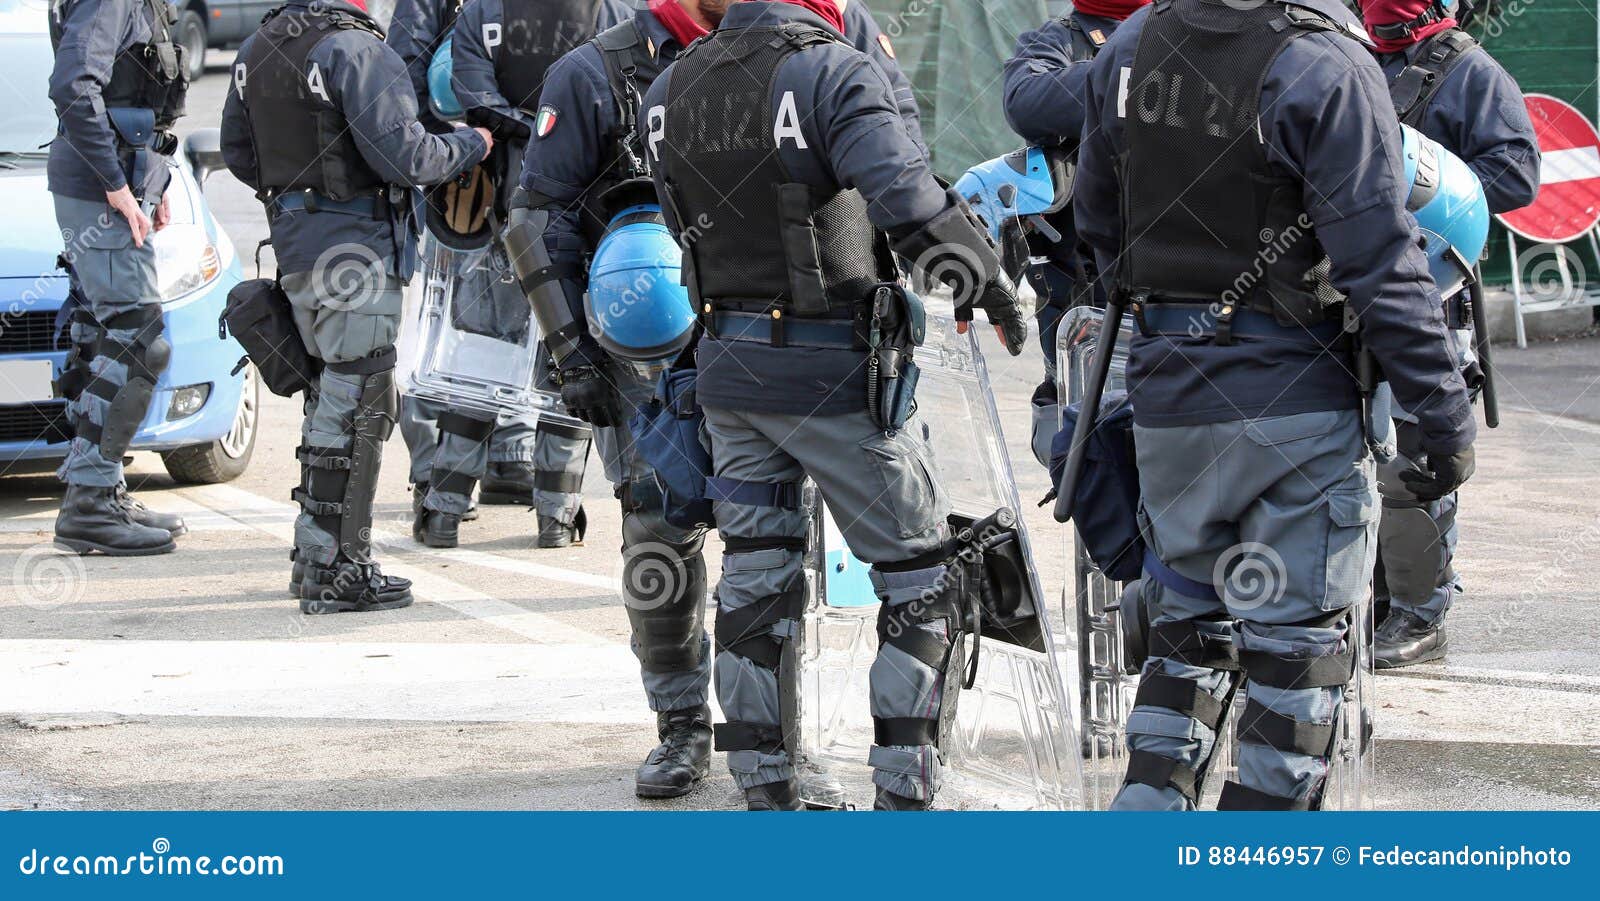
column 636, row 307
column 1447, row 200
column 1016, row 191
column 441, row 94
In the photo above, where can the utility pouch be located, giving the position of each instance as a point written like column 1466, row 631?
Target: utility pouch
column 666, row 432
column 259, row 316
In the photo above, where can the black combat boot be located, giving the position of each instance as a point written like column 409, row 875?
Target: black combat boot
column 171, row 523
column 510, row 482
column 439, row 529
column 93, row 521
column 888, row 800
column 1404, row 639
column 774, row 796
column 348, row 587
column 555, row 533
column 683, row 757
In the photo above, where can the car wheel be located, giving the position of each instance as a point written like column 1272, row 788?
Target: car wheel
column 192, row 35
column 225, row 459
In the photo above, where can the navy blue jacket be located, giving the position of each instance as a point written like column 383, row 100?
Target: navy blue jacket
column 1478, row 115
column 855, row 137
column 472, row 60
column 1044, row 82
column 83, row 157
column 415, row 32
column 1327, row 120
column 863, row 33
column 366, row 81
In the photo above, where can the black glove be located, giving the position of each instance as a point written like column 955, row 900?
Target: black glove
column 998, row 300
column 1450, row 471
column 590, row 394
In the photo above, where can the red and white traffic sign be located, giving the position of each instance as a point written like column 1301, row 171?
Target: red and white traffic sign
column 1568, row 204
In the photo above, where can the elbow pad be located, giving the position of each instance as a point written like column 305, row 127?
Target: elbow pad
column 953, row 247
column 554, row 291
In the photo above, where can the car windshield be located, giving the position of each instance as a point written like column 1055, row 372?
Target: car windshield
column 27, row 118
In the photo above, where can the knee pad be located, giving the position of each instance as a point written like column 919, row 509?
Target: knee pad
column 1411, row 545
column 144, row 355
column 663, row 592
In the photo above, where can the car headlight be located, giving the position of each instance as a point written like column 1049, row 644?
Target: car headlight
column 186, row 260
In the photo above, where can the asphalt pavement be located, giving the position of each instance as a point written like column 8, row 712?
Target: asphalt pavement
column 192, row 681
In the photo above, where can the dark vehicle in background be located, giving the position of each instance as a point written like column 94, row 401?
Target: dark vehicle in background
column 223, row 24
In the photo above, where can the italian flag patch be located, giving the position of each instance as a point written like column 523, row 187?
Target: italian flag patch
column 546, row 122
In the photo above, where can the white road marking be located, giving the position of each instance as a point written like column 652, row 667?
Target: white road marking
column 362, row 680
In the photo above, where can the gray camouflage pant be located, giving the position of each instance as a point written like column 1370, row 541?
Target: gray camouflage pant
column 1280, row 515
column 882, row 493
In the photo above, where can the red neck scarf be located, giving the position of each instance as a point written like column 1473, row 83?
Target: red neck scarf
column 1108, row 9
column 358, row 4
column 1389, row 12
column 828, row 10
column 677, row 21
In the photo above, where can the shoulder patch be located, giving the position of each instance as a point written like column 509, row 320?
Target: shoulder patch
column 883, row 41
column 546, row 120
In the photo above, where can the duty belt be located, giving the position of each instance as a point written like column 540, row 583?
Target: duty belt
column 373, row 206
column 778, row 330
column 1224, row 322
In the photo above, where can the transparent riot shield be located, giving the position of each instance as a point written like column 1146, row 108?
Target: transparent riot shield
column 1014, row 745
column 1107, row 674
column 468, row 338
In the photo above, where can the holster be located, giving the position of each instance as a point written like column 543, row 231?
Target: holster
column 897, row 326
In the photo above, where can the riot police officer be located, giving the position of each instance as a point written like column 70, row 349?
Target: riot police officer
column 1446, row 86
column 321, row 122
column 788, row 176
column 1246, row 197
column 416, row 29
column 118, row 86
column 500, row 50
column 1044, row 105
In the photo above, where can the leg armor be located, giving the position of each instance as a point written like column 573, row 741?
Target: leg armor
column 664, row 591
column 134, row 343
column 561, row 454
column 1289, row 725
column 928, row 605
column 760, row 601
column 1179, row 710
column 338, row 483
column 459, row 462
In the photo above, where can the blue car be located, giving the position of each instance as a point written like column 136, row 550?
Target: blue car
column 204, row 416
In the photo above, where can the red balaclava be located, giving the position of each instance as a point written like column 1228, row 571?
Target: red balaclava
column 828, row 9
column 1389, row 12
column 358, row 4
column 1108, row 9
column 677, row 21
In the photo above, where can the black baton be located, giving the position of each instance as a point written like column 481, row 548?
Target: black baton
column 1480, row 347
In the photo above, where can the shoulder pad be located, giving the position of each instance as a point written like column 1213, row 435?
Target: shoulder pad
column 622, row 36
column 1326, row 15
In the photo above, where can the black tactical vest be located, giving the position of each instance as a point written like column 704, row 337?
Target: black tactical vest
column 301, row 140
column 1205, row 217
column 1412, row 89
column 755, row 238
column 631, row 67
column 152, row 75
column 533, row 35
